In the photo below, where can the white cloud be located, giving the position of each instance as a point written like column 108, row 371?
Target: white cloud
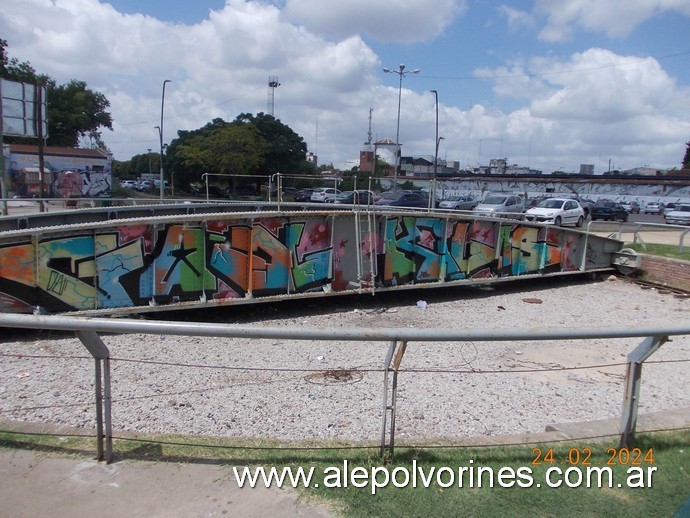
column 517, row 20
column 595, row 104
column 384, row 20
column 571, row 110
column 614, row 18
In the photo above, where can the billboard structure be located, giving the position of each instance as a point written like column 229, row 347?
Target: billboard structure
column 23, row 113
column 23, row 106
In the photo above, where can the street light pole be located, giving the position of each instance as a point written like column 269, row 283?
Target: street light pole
column 160, row 133
column 436, row 139
column 401, row 72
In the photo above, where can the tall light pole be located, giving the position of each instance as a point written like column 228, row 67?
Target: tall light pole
column 160, row 133
column 438, row 142
column 401, row 72
column 436, row 139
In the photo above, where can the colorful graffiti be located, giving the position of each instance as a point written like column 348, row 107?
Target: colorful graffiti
column 232, row 259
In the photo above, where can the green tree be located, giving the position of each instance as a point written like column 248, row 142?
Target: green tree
column 281, row 151
column 686, row 158
column 232, row 150
column 286, row 151
column 74, row 112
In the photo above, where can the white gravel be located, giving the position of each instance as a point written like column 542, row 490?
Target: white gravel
column 246, row 388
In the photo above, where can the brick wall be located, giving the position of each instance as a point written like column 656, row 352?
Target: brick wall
column 669, row 272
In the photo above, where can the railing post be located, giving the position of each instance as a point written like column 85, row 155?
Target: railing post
column 633, row 377
column 395, row 353
column 101, row 354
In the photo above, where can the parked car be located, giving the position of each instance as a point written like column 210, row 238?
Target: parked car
column 631, row 206
column 359, row 197
column 653, row 208
column 533, row 202
column 213, row 191
column 128, row 184
column 585, row 204
column 497, row 204
column 303, row 194
column 609, row 210
column 680, row 215
column 668, row 208
column 144, row 185
column 324, row 194
column 557, row 211
column 405, row 199
column 459, row 202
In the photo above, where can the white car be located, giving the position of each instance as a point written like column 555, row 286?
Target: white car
column 557, row 211
column 654, row 208
column 678, row 216
column 325, row 194
column 128, row 184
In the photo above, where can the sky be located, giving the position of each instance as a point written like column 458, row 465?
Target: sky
column 548, row 84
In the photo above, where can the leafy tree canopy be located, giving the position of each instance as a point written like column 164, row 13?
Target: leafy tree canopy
column 257, row 146
column 74, row 111
column 686, row 158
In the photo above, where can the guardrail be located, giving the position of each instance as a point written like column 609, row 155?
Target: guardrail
column 619, row 228
column 87, row 330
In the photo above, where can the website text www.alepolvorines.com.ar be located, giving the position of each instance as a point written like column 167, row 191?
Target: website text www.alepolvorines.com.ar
column 418, row 476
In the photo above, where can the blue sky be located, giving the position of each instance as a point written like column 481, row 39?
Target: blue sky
column 547, row 83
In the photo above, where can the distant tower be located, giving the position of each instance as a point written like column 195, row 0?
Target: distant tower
column 367, row 155
column 272, row 85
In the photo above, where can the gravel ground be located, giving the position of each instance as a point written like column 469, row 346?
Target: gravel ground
column 294, row 390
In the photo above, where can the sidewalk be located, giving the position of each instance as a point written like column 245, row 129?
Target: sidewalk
column 47, row 484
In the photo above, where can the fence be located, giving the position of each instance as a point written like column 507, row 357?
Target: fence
column 398, row 341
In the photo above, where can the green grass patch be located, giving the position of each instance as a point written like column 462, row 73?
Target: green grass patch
column 661, row 472
column 670, row 251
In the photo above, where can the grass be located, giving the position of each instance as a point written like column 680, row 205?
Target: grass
column 670, row 482
column 670, row 251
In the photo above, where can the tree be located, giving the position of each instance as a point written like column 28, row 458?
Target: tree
column 280, row 150
column 231, row 150
column 686, row 158
column 74, row 111
column 286, row 151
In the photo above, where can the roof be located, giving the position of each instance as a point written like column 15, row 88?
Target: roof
column 29, row 149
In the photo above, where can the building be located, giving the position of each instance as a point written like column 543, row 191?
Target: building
column 67, row 172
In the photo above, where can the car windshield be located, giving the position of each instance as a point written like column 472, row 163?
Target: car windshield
column 455, row 198
column 495, row 200
column 551, row 204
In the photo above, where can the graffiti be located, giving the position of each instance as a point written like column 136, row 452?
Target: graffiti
column 232, row 258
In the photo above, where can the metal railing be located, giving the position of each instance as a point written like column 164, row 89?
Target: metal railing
column 87, row 331
column 618, row 228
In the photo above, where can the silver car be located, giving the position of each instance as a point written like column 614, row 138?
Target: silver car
column 464, row 202
column 499, row 204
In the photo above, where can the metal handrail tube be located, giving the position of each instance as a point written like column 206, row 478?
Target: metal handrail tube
column 161, row 327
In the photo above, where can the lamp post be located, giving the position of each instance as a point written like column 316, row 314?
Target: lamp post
column 436, row 139
column 160, row 133
column 438, row 142
column 401, row 72
column 149, row 162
